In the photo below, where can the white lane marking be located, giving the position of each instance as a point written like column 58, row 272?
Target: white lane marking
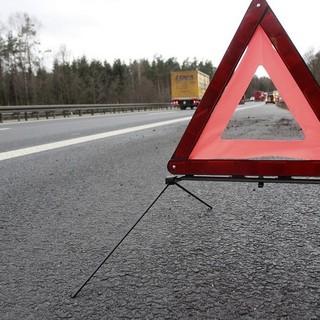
column 248, row 107
column 4, row 129
column 70, row 142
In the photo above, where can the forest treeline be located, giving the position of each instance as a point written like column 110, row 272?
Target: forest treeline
column 25, row 80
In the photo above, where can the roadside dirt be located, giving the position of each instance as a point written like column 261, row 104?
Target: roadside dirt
column 266, row 123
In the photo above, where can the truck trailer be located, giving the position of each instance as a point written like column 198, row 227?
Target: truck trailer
column 188, row 87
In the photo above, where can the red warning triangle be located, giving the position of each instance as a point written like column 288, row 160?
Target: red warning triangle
column 259, row 40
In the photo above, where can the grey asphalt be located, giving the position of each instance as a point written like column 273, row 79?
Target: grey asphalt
column 254, row 256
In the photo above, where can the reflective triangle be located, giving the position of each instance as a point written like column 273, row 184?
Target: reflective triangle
column 259, row 40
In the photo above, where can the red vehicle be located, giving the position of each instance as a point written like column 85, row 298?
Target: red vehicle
column 259, row 96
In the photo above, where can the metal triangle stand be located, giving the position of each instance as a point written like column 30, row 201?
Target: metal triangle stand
column 174, row 181
column 169, row 181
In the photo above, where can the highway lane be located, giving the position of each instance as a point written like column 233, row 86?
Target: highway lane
column 25, row 134
column 19, row 139
column 254, row 256
column 34, row 133
column 60, row 211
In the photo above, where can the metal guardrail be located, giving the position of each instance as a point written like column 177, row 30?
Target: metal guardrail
column 51, row 111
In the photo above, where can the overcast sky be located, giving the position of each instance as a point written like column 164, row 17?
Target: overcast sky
column 135, row 29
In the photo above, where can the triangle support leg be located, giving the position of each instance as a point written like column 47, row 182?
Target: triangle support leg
column 173, row 181
column 118, row 244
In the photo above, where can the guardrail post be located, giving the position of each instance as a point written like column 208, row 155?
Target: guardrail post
column 26, row 116
column 35, row 114
column 18, row 115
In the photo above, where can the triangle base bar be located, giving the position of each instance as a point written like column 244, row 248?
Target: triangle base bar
column 300, row 168
column 260, row 180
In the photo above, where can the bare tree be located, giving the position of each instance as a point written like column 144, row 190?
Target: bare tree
column 21, row 55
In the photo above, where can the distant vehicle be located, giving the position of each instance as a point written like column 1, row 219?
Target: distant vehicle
column 259, row 96
column 270, row 98
column 188, row 87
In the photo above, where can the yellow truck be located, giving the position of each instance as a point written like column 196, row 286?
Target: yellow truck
column 188, row 87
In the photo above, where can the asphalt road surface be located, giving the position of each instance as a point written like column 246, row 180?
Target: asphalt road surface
column 254, row 256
